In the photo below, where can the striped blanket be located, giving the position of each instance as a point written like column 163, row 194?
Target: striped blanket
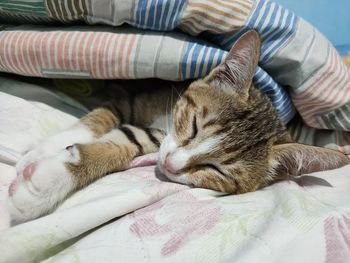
column 180, row 39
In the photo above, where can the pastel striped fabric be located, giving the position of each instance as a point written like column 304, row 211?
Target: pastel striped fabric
column 30, row 7
column 85, row 54
column 24, row 11
column 158, row 15
column 299, row 69
column 328, row 93
column 120, row 54
column 278, row 95
column 334, row 139
column 275, row 24
column 67, row 10
column 215, row 16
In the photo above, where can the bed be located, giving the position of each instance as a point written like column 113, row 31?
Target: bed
column 135, row 215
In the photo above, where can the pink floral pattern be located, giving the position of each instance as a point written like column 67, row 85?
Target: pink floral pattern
column 337, row 235
column 183, row 217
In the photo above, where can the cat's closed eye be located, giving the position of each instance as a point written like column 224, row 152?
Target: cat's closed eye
column 194, row 128
column 211, row 167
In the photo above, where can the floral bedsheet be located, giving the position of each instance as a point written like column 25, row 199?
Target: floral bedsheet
column 137, row 216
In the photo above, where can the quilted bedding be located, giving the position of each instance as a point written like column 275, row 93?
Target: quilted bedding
column 135, row 215
column 298, row 69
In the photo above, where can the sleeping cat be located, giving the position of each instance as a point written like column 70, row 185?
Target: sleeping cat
column 223, row 135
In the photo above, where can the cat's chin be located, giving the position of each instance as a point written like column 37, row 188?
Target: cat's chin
column 182, row 179
column 177, row 178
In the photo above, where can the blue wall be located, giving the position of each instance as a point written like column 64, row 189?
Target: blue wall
column 331, row 17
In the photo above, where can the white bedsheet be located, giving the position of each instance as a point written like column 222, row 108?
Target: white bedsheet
column 133, row 216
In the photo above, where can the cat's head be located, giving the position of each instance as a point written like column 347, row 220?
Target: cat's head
column 227, row 136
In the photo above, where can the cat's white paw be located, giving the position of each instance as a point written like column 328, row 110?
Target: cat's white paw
column 41, row 186
column 54, row 144
column 42, row 151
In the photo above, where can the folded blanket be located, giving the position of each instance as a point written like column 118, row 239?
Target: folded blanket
column 295, row 56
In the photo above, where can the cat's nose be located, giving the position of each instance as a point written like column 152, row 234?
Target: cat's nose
column 168, row 164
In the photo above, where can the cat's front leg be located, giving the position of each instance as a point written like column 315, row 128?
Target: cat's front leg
column 53, row 145
column 86, row 130
column 46, row 183
column 46, row 161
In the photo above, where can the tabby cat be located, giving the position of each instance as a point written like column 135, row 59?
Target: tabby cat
column 223, row 135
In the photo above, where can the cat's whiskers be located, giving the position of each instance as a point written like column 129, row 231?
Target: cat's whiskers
column 178, row 93
column 166, row 124
column 171, row 103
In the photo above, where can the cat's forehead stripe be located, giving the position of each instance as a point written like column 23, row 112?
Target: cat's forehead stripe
column 189, row 100
column 205, row 112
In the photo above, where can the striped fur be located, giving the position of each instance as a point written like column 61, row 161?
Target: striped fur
column 223, row 134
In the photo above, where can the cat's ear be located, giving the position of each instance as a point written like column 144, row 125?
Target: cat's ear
column 294, row 159
column 237, row 70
